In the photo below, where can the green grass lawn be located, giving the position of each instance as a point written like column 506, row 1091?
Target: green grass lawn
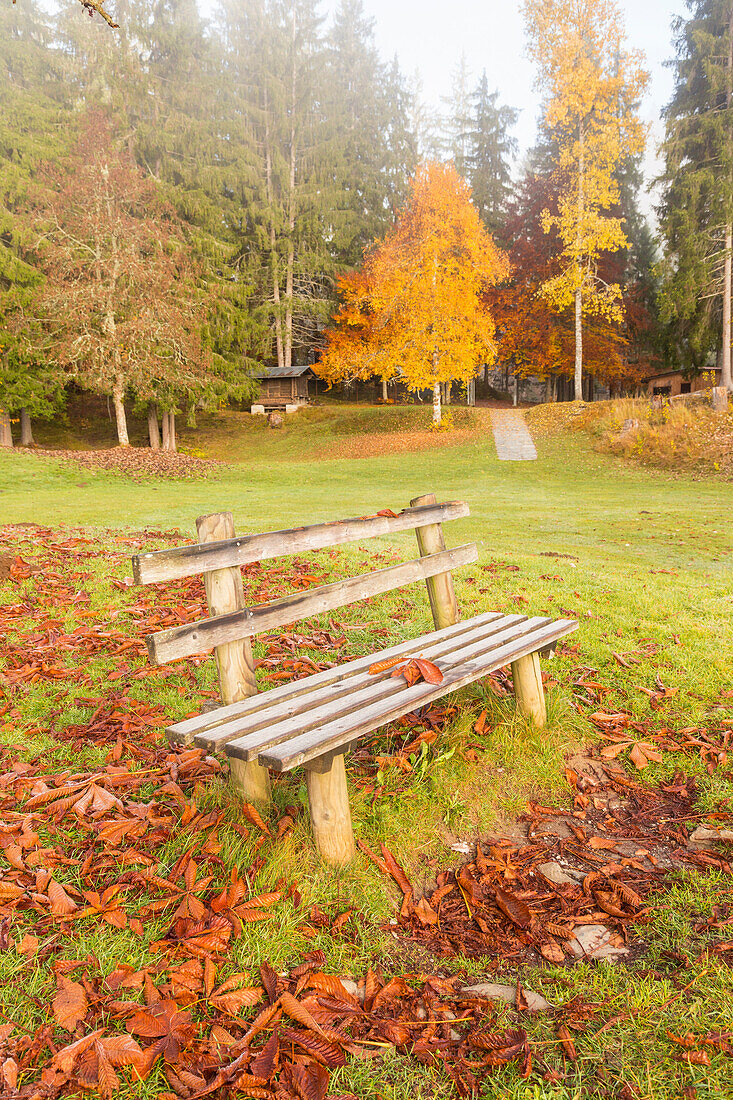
column 643, row 558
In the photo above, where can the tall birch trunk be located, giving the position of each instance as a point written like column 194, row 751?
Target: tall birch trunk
column 26, row 429
column 165, row 426
column 153, row 433
column 6, row 431
column 118, row 392
column 385, row 395
column 172, row 431
column 579, row 291
column 437, row 416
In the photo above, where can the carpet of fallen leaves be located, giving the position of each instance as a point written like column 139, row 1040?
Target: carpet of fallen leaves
column 88, row 847
column 137, row 462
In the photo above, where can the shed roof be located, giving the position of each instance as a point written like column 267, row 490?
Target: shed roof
column 690, row 373
column 282, row 372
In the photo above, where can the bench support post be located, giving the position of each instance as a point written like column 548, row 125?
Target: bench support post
column 328, row 799
column 528, row 688
column 441, row 593
column 224, row 593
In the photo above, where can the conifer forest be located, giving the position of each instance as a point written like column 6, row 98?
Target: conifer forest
column 187, row 195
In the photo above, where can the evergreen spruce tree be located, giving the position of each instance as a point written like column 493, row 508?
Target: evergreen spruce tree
column 457, row 120
column 425, row 123
column 696, row 214
column 490, row 150
column 33, row 126
column 368, row 122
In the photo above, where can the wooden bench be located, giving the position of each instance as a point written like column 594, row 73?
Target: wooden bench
column 313, row 721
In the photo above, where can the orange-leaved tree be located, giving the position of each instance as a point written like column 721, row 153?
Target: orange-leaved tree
column 415, row 311
column 592, row 84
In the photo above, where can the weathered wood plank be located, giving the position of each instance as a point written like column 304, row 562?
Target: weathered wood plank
column 224, row 594
column 328, row 695
column 528, row 689
column 330, row 813
column 347, row 729
column 337, row 678
column 187, row 561
column 441, row 592
column 372, row 690
column 184, row 641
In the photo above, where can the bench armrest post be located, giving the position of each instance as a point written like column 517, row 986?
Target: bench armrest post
column 328, row 801
column 430, row 540
column 528, row 689
column 224, row 593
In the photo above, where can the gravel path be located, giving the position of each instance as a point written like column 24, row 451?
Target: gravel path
column 511, row 436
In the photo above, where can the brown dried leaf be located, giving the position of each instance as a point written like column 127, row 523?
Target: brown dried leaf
column 329, row 1054
column 430, row 671
column 298, row 1012
column 233, row 1003
column 512, row 907
column 70, row 1004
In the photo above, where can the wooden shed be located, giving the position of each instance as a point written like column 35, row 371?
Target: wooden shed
column 283, row 388
column 674, row 382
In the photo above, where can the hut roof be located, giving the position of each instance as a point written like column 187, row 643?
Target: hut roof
column 283, row 372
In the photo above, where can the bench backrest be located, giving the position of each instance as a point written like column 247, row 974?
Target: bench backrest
column 219, row 561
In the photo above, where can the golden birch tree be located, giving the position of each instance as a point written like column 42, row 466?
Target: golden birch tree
column 591, row 85
column 416, row 310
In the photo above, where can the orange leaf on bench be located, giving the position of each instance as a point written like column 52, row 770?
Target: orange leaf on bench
column 382, row 666
column 430, row 672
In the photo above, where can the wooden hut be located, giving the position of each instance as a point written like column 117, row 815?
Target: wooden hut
column 283, row 388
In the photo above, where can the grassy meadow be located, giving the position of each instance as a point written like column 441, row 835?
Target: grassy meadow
column 640, row 557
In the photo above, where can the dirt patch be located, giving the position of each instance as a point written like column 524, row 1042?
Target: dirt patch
column 6, row 563
column 138, row 462
column 574, row 887
column 376, row 444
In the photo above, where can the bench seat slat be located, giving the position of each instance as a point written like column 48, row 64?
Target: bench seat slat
column 460, row 667
column 344, row 731
column 198, row 726
column 370, row 691
column 304, row 710
column 187, row 561
column 187, row 640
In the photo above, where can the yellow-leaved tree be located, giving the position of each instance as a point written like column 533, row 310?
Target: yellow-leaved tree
column 415, row 310
column 591, row 85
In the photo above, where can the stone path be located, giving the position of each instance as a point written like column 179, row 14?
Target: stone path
column 511, row 436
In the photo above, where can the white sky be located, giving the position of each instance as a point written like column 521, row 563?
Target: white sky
column 429, row 36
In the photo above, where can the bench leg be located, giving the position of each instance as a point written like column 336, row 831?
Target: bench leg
column 528, row 688
column 328, row 799
column 250, row 780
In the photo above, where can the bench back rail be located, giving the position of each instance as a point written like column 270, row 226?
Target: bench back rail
column 220, row 553
column 231, row 625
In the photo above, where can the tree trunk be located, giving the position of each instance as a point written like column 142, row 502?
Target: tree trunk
column 385, row 395
column 119, row 406
column 153, row 433
column 290, row 262
column 726, row 379
column 165, row 428
column 275, row 270
column 171, row 431
column 578, row 345
column 579, row 290
column 6, row 431
column 26, row 429
column 436, row 403
column 725, row 366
